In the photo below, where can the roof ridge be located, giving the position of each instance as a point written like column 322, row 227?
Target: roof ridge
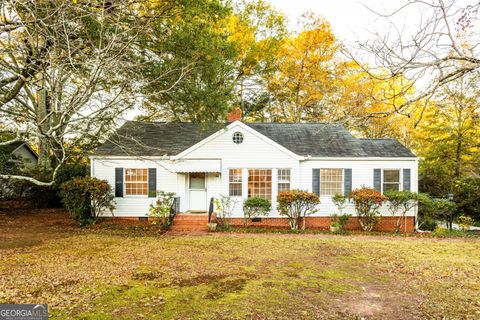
column 244, row 122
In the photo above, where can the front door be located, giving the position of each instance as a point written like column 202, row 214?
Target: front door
column 197, row 192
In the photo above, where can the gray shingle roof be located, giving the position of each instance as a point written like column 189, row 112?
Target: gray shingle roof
column 314, row 139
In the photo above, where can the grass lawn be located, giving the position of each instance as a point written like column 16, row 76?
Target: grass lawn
column 112, row 272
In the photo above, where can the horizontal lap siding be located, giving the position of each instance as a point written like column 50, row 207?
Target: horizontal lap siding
column 133, row 206
column 252, row 153
column 362, row 175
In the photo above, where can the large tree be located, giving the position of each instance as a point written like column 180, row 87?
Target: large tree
column 448, row 137
column 443, row 48
column 69, row 69
column 304, row 75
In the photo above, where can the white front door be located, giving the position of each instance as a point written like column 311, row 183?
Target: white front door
column 197, row 192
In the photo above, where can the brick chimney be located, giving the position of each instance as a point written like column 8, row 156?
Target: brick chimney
column 234, row 115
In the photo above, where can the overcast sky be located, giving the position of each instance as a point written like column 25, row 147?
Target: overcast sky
column 349, row 18
column 352, row 18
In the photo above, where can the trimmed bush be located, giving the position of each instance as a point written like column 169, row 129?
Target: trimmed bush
column 367, row 202
column 296, row 205
column 86, row 198
column 254, row 207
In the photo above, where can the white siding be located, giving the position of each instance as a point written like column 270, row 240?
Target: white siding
column 135, row 206
column 254, row 152
column 362, row 175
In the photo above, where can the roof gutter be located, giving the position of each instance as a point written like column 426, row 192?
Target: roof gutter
column 308, row 157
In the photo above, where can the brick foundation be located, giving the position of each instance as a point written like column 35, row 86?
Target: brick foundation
column 387, row 224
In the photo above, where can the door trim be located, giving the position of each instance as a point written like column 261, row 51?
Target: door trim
column 205, row 189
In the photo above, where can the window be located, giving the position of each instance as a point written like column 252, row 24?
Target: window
column 237, row 137
column 235, row 182
column 260, row 183
column 391, row 180
column 331, row 181
column 136, row 181
column 283, row 180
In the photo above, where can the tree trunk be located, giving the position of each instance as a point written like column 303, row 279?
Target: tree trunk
column 43, row 126
column 458, row 157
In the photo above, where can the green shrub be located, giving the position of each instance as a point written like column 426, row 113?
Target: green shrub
column 440, row 231
column 443, row 209
column 340, row 201
column 254, row 207
column 340, row 220
column 427, row 223
column 86, row 198
column 467, row 196
column 296, row 205
column 367, row 201
column 68, row 172
column 465, row 222
column 160, row 210
column 400, row 202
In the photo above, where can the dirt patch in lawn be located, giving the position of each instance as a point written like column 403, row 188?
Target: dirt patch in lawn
column 380, row 301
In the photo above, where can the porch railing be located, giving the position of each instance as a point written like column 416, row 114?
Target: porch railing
column 174, row 209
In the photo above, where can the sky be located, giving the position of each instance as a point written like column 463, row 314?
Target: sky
column 349, row 18
column 352, row 19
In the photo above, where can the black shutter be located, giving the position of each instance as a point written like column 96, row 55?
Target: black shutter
column 347, row 181
column 406, row 179
column 152, row 182
column 119, row 182
column 316, row 181
column 377, row 179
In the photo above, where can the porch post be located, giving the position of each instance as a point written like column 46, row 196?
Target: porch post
column 244, row 184
column 274, row 188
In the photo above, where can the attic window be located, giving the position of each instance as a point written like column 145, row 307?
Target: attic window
column 237, row 137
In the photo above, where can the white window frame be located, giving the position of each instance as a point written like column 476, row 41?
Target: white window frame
column 283, row 181
column 125, row 184
column 400, row 178
column 241, row 182
column 342, row 188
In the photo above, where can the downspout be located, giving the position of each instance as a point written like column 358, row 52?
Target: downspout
column 92, row 173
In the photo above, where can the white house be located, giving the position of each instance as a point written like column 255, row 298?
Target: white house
column 248, row 159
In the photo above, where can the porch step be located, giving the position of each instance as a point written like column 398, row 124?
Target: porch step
column 184, row 222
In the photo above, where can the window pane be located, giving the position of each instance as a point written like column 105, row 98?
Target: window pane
column 331, row 181
column 283, row 187
column 391, row 176
column 260, row 183
column 391, row 187
column 235, row 185
column 197, row 181
column 136, row 181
